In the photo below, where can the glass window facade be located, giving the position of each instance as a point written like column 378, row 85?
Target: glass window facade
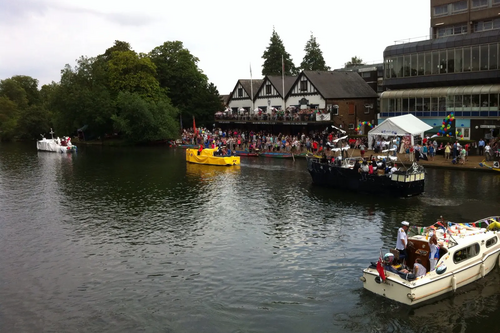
column 454, row 60
column 467, row 101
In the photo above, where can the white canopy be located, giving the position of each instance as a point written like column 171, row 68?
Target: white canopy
column 399, row 126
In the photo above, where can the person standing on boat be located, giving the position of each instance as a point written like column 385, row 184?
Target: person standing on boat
column 402, row 240
column 434, row 249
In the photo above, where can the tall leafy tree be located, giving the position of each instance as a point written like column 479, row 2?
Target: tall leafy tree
column 313, row 59
column 9, row 115
column 22, row 113
column 275, row 56
column 144, row 120
column 132, row 72
column 186, row 84
column 355, row 61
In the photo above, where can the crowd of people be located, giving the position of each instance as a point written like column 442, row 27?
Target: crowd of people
column 333, row 143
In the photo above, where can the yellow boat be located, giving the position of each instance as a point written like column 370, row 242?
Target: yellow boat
column 207, row 157
column 494, row 167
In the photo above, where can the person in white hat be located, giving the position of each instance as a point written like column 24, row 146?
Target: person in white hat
column 402, row 241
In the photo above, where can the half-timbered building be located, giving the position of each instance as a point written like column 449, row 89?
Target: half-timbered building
column 243, row 95
column 345, row 96
column 271, row 95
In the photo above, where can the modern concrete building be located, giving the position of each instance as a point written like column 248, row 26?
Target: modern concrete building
column 456, row 72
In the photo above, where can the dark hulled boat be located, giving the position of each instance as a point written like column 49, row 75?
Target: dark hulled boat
column 400, row 183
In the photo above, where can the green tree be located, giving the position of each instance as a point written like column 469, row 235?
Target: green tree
column 9, row 115
column 313, row 59
column 128, row 71
column 355, row 61
column 142, row 120
column 13, row 90
column 187, row 86
column 82, row 98
column 30, row 86
column 24, row 116
column 274, row 57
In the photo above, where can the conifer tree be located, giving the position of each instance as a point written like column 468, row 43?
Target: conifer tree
column 273, row 56
column 355, row 61
column 313, row 59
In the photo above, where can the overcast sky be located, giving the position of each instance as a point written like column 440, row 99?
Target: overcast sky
column 38, row 37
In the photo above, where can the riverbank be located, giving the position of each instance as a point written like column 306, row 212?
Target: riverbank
column 439, row 161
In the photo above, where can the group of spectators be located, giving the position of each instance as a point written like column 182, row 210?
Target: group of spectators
column 333, row 143
column 263, row 141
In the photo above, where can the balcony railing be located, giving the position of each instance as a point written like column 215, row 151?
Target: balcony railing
column 298, row 118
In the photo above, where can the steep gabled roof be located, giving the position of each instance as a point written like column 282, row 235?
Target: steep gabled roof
column 337, row 84
column 224, row 99
column 247, row 84
column 277, row 82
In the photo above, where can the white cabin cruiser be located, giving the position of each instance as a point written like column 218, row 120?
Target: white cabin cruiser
column 467, row 252
column 62, row 145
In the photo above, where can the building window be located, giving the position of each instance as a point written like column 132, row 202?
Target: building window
column 365, row 74
column 441, row 10
column 458, row 29
column 303, row 85
column 335, row 110
column 466, row 253
column 459, row 6
column 268, row 89
column 240, row 92
column 351, row 126
column 486, row 25
column 479, row 4
column 495, row 3
column 352, row 108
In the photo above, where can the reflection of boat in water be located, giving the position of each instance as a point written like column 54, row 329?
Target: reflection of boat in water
column 206, row 156
column 467, row 253
column 209, row 171
column 494, row 167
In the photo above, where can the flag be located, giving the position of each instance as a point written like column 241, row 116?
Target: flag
column 194, row 127
column 380, row 269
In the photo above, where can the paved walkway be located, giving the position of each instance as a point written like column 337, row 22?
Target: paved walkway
column 439, row 161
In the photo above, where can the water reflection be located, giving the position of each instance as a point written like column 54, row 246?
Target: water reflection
column 145, row 242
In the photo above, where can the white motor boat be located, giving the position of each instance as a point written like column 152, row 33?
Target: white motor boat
column 60, row 145
column 467, row 252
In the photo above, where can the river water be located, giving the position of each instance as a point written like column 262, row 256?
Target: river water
column 135, row 240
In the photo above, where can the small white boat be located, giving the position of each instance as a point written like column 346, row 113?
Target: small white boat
column 468, row 251
column 60, row 145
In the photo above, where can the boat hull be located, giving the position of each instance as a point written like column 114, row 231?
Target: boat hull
column 276, row 155
column 245, row 153
column 207, row 157
column 430, row 286
column 401, row 185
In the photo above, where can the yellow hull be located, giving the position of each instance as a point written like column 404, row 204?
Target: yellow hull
column 207, row 157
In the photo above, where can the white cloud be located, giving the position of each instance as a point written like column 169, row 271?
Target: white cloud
column 39, row 37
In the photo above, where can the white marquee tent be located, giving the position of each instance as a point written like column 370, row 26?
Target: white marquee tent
column 399, row 126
